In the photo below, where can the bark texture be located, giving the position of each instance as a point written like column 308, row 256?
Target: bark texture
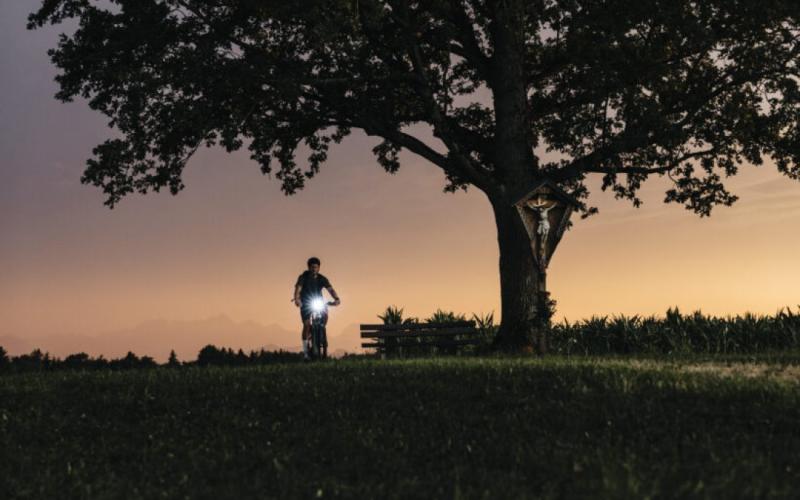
column 522, row 284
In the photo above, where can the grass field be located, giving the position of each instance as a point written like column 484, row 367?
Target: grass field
column 443, row 428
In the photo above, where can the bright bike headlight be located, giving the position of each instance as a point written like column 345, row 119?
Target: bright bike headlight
column 317, row 305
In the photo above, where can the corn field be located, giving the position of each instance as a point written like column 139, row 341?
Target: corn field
column 678, row 333
column 675, row 333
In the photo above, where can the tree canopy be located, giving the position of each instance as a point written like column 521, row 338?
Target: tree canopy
column 619, row 88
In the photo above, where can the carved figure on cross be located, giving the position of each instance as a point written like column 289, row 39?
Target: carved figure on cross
column 541, row 205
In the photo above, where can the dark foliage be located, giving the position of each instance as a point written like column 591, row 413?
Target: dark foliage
column 213, row 356
column 393, row 315
column 674, row 334
column 622, row 89
column 208, row 356
column 173, row 360
column 678, row 333
column 131, row 361
column 35, row 361
column 38, row 361
column 440, row 316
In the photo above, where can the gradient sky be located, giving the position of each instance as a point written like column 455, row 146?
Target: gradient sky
column 231, row 243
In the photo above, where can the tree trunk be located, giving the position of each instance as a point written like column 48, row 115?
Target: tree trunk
column 522, row 283
column 525, row 307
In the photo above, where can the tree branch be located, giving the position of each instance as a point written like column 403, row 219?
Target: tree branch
column 411, row 143
column 588, row 164
column 467, row 170
column 469, row 43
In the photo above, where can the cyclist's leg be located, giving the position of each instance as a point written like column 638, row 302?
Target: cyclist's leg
column 306, row 335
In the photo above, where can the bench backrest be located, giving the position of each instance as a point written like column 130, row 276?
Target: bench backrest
column 418, row 329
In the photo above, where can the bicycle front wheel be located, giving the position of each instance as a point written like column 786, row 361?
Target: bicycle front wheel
column 315, row 340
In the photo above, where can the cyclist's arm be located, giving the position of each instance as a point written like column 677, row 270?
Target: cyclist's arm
column 333, row 293
column 297, row 289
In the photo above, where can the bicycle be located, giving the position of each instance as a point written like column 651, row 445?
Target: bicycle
column 318, row 338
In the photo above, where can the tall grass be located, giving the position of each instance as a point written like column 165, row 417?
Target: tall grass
column 678, row 333
column 441, row 316
column 393, row 315
column 675, row 333
column 414, row 345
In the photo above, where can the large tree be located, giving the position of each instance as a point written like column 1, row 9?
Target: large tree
column 620, row 89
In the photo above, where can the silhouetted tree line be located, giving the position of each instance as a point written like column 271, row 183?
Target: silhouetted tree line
column 208, row 356
column 213, row 356
column 43, row 361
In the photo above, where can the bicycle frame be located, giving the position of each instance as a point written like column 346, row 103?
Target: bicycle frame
column 318, row 337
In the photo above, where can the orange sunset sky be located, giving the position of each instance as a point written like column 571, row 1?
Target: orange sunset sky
column 218, row 261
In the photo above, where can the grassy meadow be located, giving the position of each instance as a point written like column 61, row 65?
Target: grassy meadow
column 465, row 427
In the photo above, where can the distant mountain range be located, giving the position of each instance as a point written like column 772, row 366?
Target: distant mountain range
column 156, row 338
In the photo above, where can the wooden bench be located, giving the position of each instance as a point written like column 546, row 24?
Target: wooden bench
column 420, row 338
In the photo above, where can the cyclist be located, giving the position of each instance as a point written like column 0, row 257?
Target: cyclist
column 309, row 287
